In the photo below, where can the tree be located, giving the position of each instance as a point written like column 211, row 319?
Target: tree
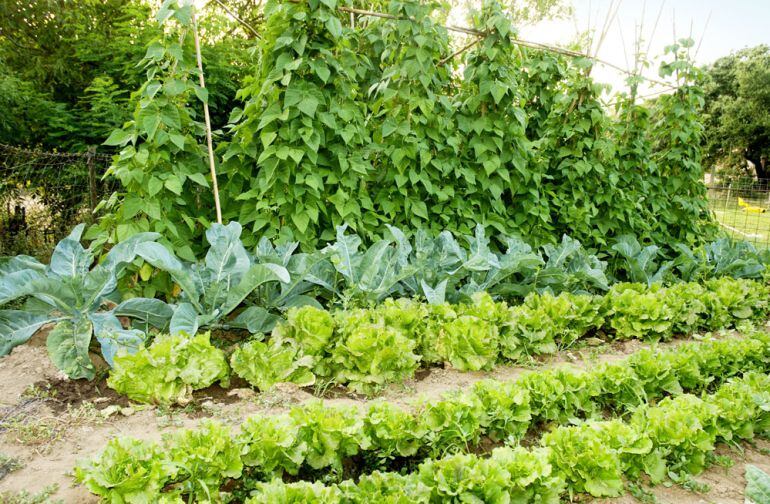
column 69, row 67
column 738, row 112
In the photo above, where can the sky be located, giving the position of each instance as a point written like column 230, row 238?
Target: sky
column 719, row 26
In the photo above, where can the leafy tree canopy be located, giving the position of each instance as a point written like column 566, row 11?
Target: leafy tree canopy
column 68, row 68
column 738, row 112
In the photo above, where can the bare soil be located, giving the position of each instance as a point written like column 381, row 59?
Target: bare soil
column 48, row 423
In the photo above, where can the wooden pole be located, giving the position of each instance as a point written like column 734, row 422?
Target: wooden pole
column 207, row 119
column 91, row 179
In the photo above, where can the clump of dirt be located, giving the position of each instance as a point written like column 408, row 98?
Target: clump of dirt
column 219, row 395
column 62, row 393
column 66, row 393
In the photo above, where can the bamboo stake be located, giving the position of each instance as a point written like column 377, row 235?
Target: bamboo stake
column 207, row 119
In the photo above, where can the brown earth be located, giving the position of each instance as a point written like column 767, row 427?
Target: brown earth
column 49, row 423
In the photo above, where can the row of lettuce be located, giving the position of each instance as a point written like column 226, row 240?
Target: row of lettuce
column 118, row 300
column 367, row 348
column 704, row 392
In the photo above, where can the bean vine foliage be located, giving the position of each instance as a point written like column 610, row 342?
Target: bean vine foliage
column 162, row 164
column 375, row 125
column 378, row 122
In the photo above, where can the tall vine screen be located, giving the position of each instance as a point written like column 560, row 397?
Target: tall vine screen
column 369, row 121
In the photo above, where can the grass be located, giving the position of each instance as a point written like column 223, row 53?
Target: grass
column 742, row 225
column 31, row 428
column 9, row 464
column 25, row 497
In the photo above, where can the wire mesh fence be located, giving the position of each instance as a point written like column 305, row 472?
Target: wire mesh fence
column 44, row 194
column 742, row 209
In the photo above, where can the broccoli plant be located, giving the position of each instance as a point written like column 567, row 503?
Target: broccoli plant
column 213, row 289
column 80, row 300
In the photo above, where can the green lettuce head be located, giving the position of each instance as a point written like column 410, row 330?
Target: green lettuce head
column 309, row 327
column 169, row 370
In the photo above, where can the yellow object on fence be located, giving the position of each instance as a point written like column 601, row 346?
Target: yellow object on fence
column 750, row 209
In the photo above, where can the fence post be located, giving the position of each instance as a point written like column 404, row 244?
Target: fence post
column 91, row 178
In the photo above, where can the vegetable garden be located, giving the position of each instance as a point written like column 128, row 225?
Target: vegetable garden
column 383, row 209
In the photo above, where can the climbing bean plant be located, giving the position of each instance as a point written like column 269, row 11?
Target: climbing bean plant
column 298, row 152
column 677, row 132
column 496, row 154
column 373, row 122
column 415, row 142
column 513, row 138
column 162, row 163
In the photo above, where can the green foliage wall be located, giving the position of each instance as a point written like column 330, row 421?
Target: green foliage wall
column 67, row 69
column 374, row 124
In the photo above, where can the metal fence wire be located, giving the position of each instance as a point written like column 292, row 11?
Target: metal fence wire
column 44, row 194
column 742, row 209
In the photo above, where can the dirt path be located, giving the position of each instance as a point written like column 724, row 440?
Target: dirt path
column 56, row 423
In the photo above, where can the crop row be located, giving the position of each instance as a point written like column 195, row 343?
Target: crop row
column 367, row 348
column 314, row 441
column 673, row 438
column 92, row 301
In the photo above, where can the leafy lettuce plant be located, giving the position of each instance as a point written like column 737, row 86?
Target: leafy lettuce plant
column 203, row 459
column 732, row 300
column 468, row 343
column 590, row 455
column 464, row 477
column 561, row 396
column 368, row 356
column 309, row 328
column 451, row 425
column 508, row 475
column 532, row 478
column 545, row 321
column 330, row 434
column 80, row 300
column 656, row 374
column 466, row 335
column 127, row 470
column 388, row 487
column 740, row 410
column 169, row 370
column 213, row 289
column 407, row 315
column 300, row 492
column 265, row 364
column 621, row 389
column 392, row 432
column 688, row 305
column 636, row 312
column 269, row 445
column 682, row 430
column 506, row 409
